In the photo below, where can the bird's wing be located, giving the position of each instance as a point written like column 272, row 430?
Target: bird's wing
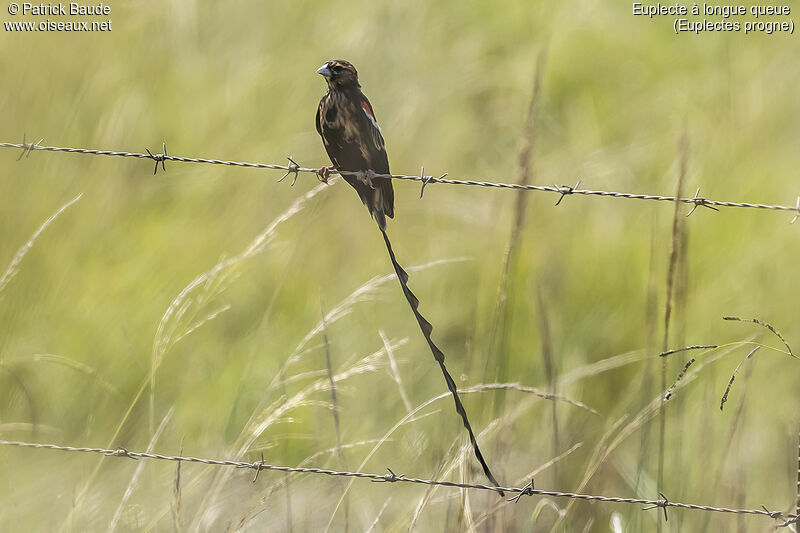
column 378, row 160
column 319, row 124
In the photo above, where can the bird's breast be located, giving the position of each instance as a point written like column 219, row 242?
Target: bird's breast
column 338, row 117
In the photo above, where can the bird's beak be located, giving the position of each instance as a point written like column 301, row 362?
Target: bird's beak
column 324, row 70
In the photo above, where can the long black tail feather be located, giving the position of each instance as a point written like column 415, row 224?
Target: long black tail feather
column 427, row 329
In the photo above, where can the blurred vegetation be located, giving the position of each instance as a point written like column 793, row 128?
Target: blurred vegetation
column 450, row 83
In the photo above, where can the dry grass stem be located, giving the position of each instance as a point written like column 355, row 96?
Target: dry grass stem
column 138, row 471
column 13, row 266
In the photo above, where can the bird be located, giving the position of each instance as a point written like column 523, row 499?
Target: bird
column 353, row 139
column 354, row 142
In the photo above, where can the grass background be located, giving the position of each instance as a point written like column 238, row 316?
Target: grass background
column 450, row 83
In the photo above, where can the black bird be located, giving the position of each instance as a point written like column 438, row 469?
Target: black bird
column 353, row 140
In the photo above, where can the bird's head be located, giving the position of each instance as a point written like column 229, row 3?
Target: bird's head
column 339, row 74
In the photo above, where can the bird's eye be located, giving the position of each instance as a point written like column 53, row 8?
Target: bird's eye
column 336, row 68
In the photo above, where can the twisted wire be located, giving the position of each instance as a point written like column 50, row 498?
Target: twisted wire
column 391, row 477
column 295, row 169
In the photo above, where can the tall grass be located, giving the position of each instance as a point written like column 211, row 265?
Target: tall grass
column 196, row 293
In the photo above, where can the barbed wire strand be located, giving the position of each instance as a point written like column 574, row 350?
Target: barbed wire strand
column 391, row 477
column 294, row 169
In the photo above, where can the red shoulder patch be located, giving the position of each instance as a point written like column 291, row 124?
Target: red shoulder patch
column 365, row 106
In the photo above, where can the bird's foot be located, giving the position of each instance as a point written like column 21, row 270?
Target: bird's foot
column 323, row 173
column 366, row 176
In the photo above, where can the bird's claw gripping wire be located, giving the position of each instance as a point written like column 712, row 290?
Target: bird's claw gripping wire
column 698, row 201
column 324, row 173
column 292, row 168
column 366, row 177
column 159, row 157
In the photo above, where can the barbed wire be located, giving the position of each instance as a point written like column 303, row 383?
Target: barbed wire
column 293, row 169
column 527, row 490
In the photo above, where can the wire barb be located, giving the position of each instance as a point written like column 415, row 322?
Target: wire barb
column 797, row 214
column 426, row 180
column 788, row 519
column 565, row 190
column 663, row 503
column 293, row 168
column 698, row 201
column 527, row 490
column 159, row 157
column 27, row 147
column 391, row 477
column 121, row 452
column 258, row 466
